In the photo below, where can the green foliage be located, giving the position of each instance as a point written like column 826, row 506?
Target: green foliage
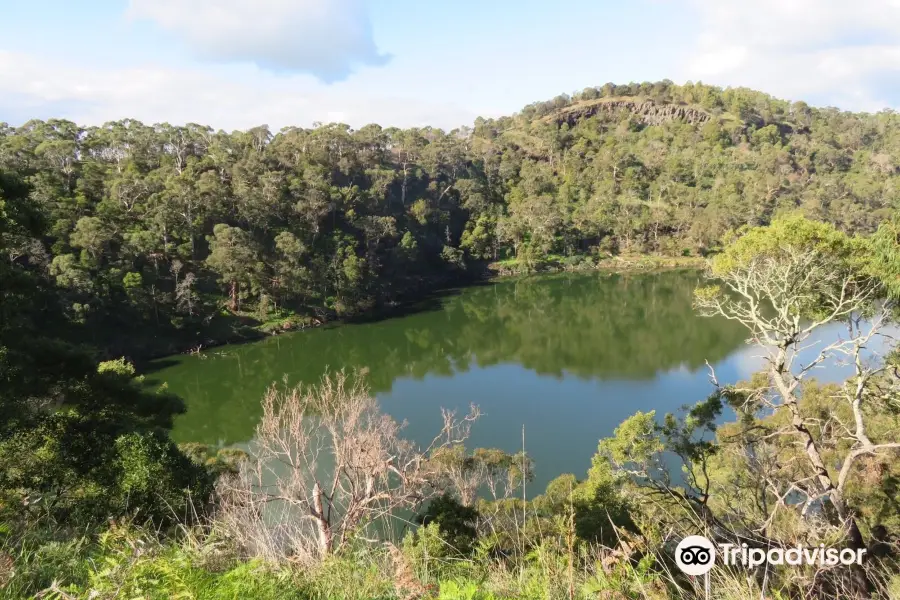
column 120, row 367
column 333, row 220
column 429, row 549
column 884, row 260
column 129, row 564
column 218, row 462
column 92, row 234
column 132, row 281
column 453, row 256
column 361, row 574
column 234, row 256
column 453, row 590
column 628, row 580
column 156, row 480
column 601, row 509
column 796, row 266
column 40, row 561
column 784, row 235
column 598, row 508
column 79, row 443
column 646, row 454
column 455, row 521
column 635, row 440
column 78, row 468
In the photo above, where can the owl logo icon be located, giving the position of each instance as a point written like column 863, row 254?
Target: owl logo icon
column 695, row 555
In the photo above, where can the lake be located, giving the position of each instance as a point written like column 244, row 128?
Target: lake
column 567, row 356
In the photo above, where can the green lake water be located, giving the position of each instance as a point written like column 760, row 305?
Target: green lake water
column 568, row 356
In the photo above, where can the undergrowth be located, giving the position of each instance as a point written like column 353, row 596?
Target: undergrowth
column 131, row 563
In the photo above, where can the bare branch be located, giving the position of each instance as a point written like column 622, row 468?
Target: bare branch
column 327, row 465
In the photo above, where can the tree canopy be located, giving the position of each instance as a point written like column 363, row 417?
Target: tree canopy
column 152, row 229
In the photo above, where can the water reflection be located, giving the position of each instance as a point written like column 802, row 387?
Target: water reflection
column 567, row 356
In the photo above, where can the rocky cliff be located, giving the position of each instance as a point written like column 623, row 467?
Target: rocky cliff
column 650, row 112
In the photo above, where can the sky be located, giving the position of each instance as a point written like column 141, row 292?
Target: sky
column 235, row 64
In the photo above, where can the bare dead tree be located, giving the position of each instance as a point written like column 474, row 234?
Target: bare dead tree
column 460, row 472
column 497, row 470
column 782, row 296
column 185, row 296
column 328, row 465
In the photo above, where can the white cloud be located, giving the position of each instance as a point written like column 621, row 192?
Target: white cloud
column 229, row 98
column 270, row 53
column 826, row 50
column 327, row 38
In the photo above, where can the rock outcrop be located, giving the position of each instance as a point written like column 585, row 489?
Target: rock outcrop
column 650, row 112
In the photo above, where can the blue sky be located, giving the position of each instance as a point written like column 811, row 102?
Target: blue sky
column 239, row 63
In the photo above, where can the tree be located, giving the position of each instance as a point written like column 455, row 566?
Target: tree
column 79, row 442
column 782, row 282
column 479, row 238
column 457, row 522
column 235, row 257
column 383, row 213
column 667, row 462
column 597, row 505
column 291, row 271
column 92, row 235
column 344, row 467
column 464, row 474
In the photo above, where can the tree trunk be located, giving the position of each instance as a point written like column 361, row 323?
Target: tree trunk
column 325, row 538
column 862, row 586
column 403, row 185
column 234, row 295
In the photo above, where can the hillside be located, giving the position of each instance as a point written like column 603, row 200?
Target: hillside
column 149, row 232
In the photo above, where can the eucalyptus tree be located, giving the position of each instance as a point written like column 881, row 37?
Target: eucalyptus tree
column 381, row 212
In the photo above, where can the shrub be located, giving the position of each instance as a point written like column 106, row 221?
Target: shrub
column 456, row 522
column 157, row 478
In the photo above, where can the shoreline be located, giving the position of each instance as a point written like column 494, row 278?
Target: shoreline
column 488, row 273
column 615, row 264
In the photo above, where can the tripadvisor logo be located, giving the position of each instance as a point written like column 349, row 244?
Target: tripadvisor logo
column 696, row 555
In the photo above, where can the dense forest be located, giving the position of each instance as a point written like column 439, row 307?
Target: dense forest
column 180, row 235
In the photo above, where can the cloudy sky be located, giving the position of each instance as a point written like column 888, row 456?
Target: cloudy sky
column 239, row 63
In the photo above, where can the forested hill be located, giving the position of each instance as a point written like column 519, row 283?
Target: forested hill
column 156, row 235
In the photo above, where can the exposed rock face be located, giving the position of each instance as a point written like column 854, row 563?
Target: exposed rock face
column 650, row 112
